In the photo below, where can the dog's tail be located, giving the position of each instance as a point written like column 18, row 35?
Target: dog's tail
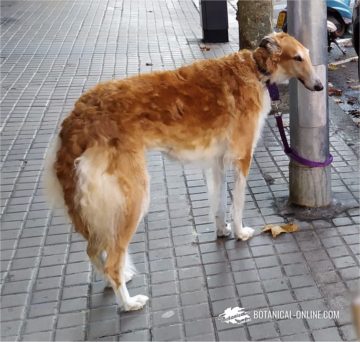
column 53, row 190
column 95, row 204
column 98, row 197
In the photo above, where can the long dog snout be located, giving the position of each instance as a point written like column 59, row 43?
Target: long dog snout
column 318, row 85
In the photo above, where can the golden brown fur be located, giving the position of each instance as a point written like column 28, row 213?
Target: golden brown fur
column 211, row 108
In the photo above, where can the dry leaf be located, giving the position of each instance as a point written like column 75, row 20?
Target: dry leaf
column 355, row 87
column 204, row 48
column 284, row 228
column 332, row 91
column 332, row 67
column 352, row 100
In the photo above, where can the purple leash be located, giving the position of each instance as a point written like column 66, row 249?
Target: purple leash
column 275, row 96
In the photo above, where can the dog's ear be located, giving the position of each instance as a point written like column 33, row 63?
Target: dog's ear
column 270, row 44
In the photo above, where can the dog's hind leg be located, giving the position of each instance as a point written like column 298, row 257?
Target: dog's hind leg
column 129, row 269
column 115, row 266
column 112, row 197
column 241, row 172
column 216, row 181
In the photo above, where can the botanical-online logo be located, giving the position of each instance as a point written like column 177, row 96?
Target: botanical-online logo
column 234, row 315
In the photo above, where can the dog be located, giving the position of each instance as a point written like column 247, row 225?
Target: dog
column 211, row 111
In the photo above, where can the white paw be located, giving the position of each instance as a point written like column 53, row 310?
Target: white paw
column 245, row 233
column 135, row 303
column 224, row 231
column 128, row 275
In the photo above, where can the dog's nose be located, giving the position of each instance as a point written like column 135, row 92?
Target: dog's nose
column 318, row 86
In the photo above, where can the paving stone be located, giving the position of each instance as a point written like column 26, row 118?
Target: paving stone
column 10, row 328
column 72, row 319
column 307, row 293
column 48, row 283
column 329, row 334
column 45, row 296
column 13, row 300
column 272, row 285
column 138, row 321
column 196, row 312
column 70, row 334
column 237, row 334
column 280, row 297
column 297, row 337
column 291, row 326
column 14, row 287
column 38, row 336
column 168, row 317
column 246, row 276
column 39, row 324
column 103, row 328
column 139, row 335
column 12, row 313
column 263, row 331
column 164, row 289
column 168, row 333
column 198, row 327
column 74, row 304
column 42, row 309
column 222, row 293
column 255, row 301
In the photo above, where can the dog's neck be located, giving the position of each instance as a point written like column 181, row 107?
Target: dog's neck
column 266, row 63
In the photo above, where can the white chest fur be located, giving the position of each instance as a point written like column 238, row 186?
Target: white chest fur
column 265, row 110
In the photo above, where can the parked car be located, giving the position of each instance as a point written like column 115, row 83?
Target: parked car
column 338, row 12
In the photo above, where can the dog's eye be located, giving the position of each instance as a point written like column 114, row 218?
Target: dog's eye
column 298, row 58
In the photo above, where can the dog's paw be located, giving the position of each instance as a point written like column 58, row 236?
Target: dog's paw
column 135, row 303
column 224, row 231
column 245, row 233
column 128, row 275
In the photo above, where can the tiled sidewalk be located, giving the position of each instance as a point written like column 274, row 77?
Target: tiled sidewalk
column 54, row 50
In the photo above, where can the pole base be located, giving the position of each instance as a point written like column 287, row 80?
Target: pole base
column 309, row 187
column 215, row 36
column 291, row 211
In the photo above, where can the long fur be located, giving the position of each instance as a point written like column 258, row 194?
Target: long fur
column 53, row 188
column 210, row 110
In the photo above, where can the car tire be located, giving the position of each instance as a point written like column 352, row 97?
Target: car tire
column 338, row 22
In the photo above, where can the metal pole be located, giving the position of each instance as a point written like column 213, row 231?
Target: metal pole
column 309, row 117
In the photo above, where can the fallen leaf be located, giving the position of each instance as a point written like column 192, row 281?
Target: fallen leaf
column 284, row 228
column 204, row 48
column 355, row 87
column 338, row 101
column 332, row 91
column 352, row 100
column 332, row 67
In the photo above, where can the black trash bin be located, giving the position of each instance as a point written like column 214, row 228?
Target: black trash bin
column 214, row 21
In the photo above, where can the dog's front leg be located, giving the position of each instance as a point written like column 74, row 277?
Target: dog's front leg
column 216, row 180
column 240, row 232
